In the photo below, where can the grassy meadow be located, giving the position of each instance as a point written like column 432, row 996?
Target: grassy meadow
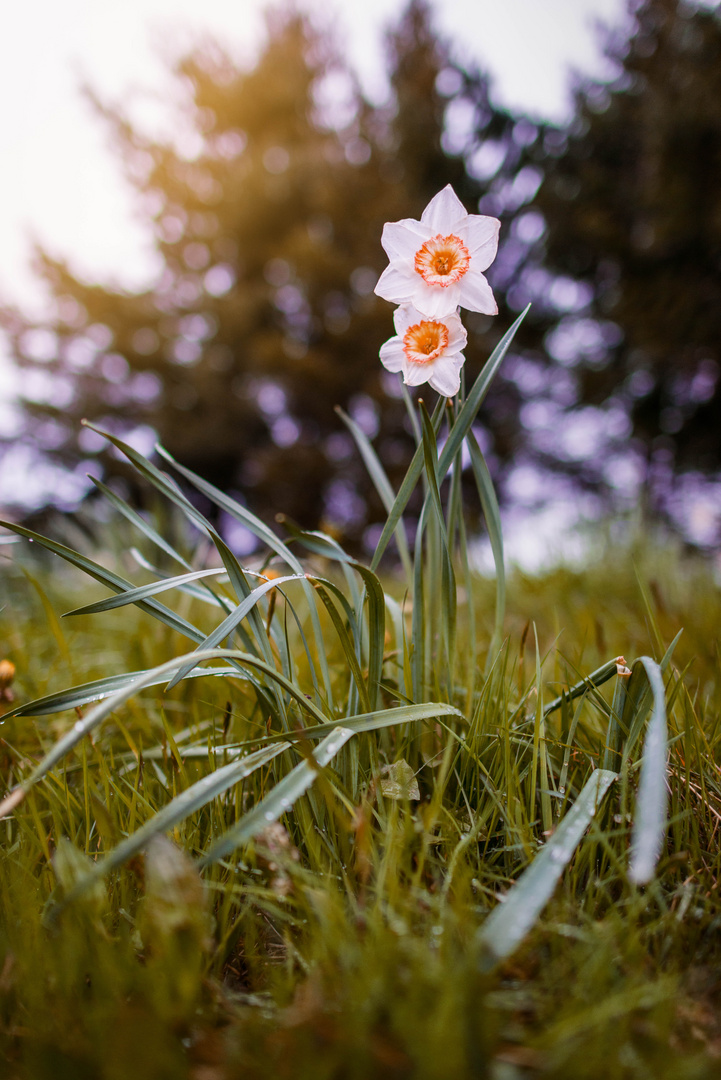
column 343, row 940
column 299, row 816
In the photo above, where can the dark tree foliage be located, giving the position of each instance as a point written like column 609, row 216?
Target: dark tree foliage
column 264, row 318
column 632, row 205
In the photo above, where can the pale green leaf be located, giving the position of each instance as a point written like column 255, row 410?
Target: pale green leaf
column 510, row 921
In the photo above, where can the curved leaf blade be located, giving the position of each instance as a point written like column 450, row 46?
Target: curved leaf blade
column 510, row 921
column 492, row 516
column 142, row 592
column 649, row 825
column 285, row 793
column 383, row 718
column 382, row 485
column 228, row 625
column 143, row 526
column 76, row 696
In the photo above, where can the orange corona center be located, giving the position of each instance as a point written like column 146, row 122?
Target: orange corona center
column 425, row 341
column 442, row 260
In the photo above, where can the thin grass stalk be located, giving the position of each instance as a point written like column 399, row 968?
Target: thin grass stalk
column 509, row 922
column 445, row 583
column 382, row 485
column 492, row 517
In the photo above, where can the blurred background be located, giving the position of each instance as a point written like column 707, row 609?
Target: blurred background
column 191, row 206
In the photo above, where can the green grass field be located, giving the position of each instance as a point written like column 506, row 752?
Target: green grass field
column 338, row 822
column 343, row 941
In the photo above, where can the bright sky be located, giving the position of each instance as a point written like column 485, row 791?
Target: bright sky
column 58, row 179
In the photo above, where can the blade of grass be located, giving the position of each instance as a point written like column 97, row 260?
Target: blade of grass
column 228, row 625
column 182, row 806
column 540, row 754
column 278, row 801
column 639, row 695
column 616, row 731
column 76, row 696
column 259, row 529
column 596, row 678
column 404, row 492
column 469, row 410
column 563, row 779
column 418, row 614
column 287, row 790
column 510, row 921
column 346, row 644
column 167, row 486
column 142, row 592
column 314, row 540
column 448, row 577
column 376, row 629
column 453, row 445
column 412, row 415
column 382, row 485
column 650, row 818
column 378, row 719
column 135, row 519
column 492, row 517
column 199, row 592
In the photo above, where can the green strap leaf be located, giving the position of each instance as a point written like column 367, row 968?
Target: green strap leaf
column 345, row 641
column 510, row 921
column 404, row 492
column 382, row 485
column 140, row 523
column 256, row 526
column 228, row 625
column 448, row 577
column 376, row 628
column 297, row 782
column 168, row 487
column 476, row 395
column 589, row 682
column 492, row 516
column 380, row 718
column 314, row 540
column 280, row 799
column 649, row 824
column 454, row 443
column 143, row 591
column 76, row 696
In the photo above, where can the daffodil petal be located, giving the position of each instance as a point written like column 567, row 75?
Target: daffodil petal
column 406, row 315
column 415, row 374
column 435, row 302
column 457, row 334
column 476, row 294
column 446, row 374
column 395, row 285
column 443, row 211
column 392, row 356
column 402, row 239
column 481, row 239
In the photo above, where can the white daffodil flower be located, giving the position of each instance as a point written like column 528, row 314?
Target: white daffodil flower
column 437, row 263
column 426, row 350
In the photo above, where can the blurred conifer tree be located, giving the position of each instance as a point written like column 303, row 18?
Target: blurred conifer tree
column 267, row 213
column 632, row 205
